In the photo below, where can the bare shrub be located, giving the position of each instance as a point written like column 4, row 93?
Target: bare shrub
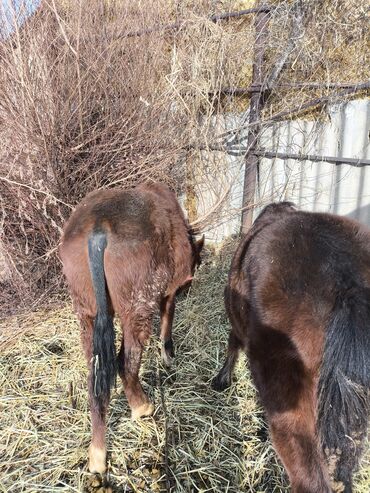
column 86, row 103
column 81, row 107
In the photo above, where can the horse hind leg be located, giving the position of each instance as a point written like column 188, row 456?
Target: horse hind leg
column 167, row 308
column 237, row 308
column 288, row 393
column 135, row 333
column 295, row 441
column 223, row 379
column 97, row 448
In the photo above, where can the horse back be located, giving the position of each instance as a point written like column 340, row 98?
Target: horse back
column 293, row 266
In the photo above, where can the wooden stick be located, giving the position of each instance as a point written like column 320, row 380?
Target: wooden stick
column 214, row 18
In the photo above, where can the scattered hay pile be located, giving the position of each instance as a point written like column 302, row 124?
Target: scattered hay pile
column 198, row 440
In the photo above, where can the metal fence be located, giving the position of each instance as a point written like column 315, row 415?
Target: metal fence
column 312, row 185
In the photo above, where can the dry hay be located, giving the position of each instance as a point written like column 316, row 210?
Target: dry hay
column 198, row 440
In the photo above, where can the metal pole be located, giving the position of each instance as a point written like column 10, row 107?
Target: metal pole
column 256, row 104
column 358, row 163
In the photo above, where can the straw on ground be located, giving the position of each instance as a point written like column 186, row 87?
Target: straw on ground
column 197, row 440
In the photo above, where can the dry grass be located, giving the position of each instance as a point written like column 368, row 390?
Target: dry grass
column 210, row 441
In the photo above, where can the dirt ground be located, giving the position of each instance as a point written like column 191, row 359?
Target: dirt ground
column 197, row 440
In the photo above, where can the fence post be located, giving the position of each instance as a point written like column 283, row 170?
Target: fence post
column 256, row 105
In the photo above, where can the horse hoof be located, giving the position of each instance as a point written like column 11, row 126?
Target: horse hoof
column 145, row 409
column 219, row 383
column 97, row 459
column 167, row 353
column 167, row 359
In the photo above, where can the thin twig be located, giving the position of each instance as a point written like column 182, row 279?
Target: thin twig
column 296, row 34
column 62, row 30
column 37, row 190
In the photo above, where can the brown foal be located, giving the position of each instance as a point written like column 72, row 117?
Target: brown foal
column 125, row 252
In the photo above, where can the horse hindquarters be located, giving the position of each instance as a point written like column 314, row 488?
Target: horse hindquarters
column 134, row 302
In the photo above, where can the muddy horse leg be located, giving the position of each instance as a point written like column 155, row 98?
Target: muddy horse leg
column 135, row 334
column 97, row 449
column 167, row 313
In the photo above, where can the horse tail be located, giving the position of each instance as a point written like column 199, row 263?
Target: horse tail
column 344, row 383
column 104, row 352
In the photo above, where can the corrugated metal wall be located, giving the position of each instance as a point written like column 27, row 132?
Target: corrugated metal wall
column 313, row 186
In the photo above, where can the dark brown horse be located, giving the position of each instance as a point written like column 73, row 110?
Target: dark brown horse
column 125, row 253
column 298, row 299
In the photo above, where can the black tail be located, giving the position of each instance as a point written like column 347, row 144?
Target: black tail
column 343, row 407
column 104, row 351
